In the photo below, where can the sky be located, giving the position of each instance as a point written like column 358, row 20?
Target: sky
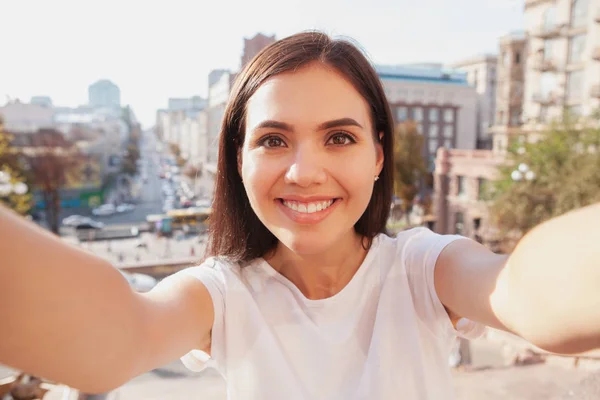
column 158, row 49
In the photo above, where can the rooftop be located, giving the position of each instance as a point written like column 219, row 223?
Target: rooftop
column 432, row 73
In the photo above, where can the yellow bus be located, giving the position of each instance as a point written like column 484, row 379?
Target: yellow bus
column 190, row 219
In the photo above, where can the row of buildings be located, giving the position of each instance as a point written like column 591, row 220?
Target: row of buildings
column 193, row 124
column 467, row 112
column 96, row 132
column 551, row 67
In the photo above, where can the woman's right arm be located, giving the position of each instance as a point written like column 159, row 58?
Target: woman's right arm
column 71, row 317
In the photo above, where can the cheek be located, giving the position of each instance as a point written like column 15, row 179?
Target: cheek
column 259, row 175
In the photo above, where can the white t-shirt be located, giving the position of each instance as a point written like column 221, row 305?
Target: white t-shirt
column 386, row 335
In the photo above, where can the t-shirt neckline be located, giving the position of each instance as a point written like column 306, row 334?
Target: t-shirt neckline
column 266, row 267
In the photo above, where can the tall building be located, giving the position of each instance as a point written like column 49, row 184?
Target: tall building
column 509, row 89
column 44, row 101
column 563, row 64
column 187, row 103
column 104, row 93
column 254, row 45
column 481, row 74
column 440, row 101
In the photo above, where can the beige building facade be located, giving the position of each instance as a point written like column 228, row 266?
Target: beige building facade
column 439, row 101
column 563, row 64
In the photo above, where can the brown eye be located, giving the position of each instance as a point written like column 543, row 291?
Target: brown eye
column 272, row 142
column 341, row 139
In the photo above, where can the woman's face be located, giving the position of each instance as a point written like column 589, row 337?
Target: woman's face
column 309, row 157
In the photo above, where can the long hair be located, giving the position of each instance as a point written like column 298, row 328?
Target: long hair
column 235, row 232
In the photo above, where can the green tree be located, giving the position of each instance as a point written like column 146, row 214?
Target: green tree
column 21, row 203
column 558, row 172
column 409, row 164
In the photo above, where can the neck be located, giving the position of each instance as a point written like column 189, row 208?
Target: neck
column 322, row 275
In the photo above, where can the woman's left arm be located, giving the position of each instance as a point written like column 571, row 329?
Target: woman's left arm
column 547, row 291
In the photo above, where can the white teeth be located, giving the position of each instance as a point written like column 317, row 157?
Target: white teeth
column 308, row 208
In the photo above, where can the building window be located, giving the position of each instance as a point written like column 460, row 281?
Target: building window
column 433, row 145
column 460, row 186
column 420, row 128
column 579, row 13
column 459, row 223
column 550, row 19
column 481, row 183
column 517, row 58
column 448, row 115
column 575, row 85
column 418, row 114
column 576, row 48
column 402, row 113
column 448, row 131
column 543, row 114
column 515, row 117
column 433, row 131
column 548, row 47
column 448, row 143
column 547, row 83
column 434, row 114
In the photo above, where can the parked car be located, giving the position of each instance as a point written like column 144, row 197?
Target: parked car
column 104, row 210
column 89, row 224
column 74, row 220
column 125, row 207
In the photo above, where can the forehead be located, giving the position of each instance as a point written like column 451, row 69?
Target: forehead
column 307, row 97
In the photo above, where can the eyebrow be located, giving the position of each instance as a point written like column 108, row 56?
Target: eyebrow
column 271, row 124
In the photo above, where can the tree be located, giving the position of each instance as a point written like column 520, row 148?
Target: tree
column 409, row 164
column 51, row 158
column 548, row 177
column 16, row 200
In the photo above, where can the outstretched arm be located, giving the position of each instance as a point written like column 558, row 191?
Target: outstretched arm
column 71, row 317
column 547, row 291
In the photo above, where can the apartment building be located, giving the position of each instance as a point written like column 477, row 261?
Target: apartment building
column 563, row 63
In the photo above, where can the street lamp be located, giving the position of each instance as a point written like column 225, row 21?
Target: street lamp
column 522, row 172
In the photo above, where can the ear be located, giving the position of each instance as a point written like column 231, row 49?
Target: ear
column 380, row 155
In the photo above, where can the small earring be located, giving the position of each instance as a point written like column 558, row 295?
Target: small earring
column 376, row 178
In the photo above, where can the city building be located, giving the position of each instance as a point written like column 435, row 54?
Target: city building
column 191, row 103
column 459, row 202
column 509, row 89
column 481, row 74
column 220, row 85
column 563, row 63
column 254, row 45
column 45, row 101
column 26, row 117
column 440, row 101
column 461, row 176
column 104, row 93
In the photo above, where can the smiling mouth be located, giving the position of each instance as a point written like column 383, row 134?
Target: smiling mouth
column 308, row 207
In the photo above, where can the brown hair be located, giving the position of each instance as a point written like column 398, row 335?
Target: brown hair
column 235, row 232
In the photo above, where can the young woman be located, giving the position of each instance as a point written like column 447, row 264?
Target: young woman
column 303, row 295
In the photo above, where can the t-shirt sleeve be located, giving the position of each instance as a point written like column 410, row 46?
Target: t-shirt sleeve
column 211, row 274
column 421, row 251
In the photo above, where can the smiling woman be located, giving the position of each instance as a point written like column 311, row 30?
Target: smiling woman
column 302, row 294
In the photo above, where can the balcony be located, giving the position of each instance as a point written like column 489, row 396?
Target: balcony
column 596, row 53
column 545, row 99
column 595, row 91
column 548, row 32
column 542, row 64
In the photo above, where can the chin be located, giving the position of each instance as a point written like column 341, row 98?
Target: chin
column 306, row 243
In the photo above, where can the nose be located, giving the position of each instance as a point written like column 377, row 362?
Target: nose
column 307, row 168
